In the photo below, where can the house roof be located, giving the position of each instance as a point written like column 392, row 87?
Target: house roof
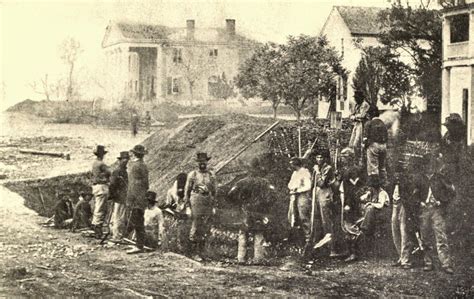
column 361, row 20
column 153, row 33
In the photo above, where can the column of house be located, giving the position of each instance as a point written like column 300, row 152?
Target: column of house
column 470, row 123
column 446, row 73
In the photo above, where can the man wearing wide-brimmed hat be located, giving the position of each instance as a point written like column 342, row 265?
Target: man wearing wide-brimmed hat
column 118, row 194
column 453, row 143
column 136, row 195
column 100, row 189
column 200, row 192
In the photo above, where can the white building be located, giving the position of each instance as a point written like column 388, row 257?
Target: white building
column 345, row 26
column 458, row 64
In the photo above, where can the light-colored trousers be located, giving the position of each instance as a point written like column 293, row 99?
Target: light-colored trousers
column 435, row 218
column 119, row 220
column 101, row 193
column 400, row 233
column 258, row 249
column 376, row 160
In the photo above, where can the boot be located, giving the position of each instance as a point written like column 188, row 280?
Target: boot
column 196, row 252
column 98, row 231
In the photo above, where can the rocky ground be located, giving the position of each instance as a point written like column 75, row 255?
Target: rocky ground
column 39, row 261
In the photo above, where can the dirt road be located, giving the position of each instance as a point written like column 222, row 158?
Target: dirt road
column 46, row 262
column 38, row 261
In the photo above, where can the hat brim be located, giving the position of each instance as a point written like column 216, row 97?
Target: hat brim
column 203, row 160
column 102, row 153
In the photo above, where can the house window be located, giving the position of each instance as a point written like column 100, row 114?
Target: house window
column 173, row 85
column 177, row 55
column 341, row 105
column 459, row 28
column 213, row 53
column 136, row 85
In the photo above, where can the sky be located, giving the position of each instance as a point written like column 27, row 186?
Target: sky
column 31, row 31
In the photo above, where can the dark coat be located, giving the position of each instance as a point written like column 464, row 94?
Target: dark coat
column 118, row 185
column 376, row 131
column 82, row 214
column 137, row 184
column 62, row 211
column 440, row 188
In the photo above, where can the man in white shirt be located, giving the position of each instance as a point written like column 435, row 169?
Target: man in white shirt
column 299, row 212
column 153, row 220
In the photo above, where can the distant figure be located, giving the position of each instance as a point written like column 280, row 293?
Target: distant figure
column 134, row 122
column 63, row 210
column 148, row 122
column 138, row 185
column 359, row 116
column 254, row 195
column 100, row 189
column 118, row 194
column 82, row 211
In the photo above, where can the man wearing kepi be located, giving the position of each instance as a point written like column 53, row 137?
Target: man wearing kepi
column 118, row 194
column 254, row 195
column 200, row 192
column 136, row 196
column 100, row 189
column 299, row 211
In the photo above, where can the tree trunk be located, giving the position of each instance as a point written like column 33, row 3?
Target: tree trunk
column 69, row 87
column 275, row 108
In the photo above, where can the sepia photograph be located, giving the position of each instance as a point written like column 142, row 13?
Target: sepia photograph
column 236, row 148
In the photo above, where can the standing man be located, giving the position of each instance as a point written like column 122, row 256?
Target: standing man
column 200, row 192
column 359, row 116
column 148, row 122
column 376, row 137
column 134, row 122
column 175, row 200
column 405, row 214
column 453, row 143
column 350, row 186
column 299, row 211
column 323, row 178
column 434, row 191
column 100, row 189
column 136, row 196
column 254, row 195
column 118, row 194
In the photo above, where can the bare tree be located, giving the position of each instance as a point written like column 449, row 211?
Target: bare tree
column 42, row 87
column 70, row 50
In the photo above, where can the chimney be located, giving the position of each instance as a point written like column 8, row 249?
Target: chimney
column 230, row 27
column 190, row 29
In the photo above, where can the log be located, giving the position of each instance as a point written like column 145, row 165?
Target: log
column 220, row 167
column 43, row 153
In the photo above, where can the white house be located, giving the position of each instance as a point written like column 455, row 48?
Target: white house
column 150, row 62
column 345, row 26
column 458, row 64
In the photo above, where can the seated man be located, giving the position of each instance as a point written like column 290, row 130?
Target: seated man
column 82, row 211
column 63, row 211
column 371, row 203
column 153, row 221
column 179, row 210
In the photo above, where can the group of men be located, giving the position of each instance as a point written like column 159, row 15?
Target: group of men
column 325, row 204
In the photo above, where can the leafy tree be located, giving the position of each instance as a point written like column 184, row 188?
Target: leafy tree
column 309, row 68
column 417, row 31
column 381, row 74
column 260, row 75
